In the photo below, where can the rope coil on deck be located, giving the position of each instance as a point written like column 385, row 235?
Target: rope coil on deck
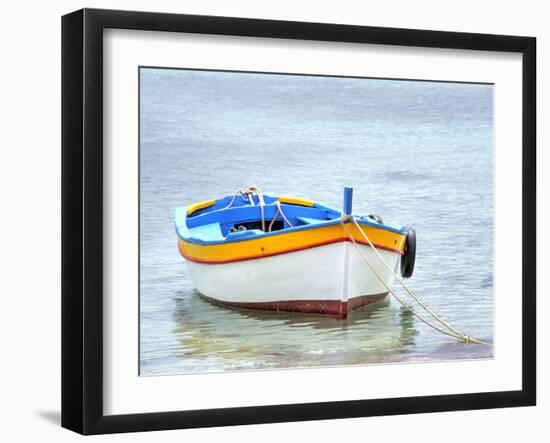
column 247, row 195
column 279, row 211
column 441, row 325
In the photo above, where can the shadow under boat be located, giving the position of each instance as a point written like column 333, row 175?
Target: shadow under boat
column 203, row 328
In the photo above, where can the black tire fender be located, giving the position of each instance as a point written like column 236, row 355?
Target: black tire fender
column 409, row 256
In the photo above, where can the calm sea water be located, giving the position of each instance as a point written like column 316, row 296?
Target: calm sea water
column 416, row 153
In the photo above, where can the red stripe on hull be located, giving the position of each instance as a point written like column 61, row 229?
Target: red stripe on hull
column 335, row 308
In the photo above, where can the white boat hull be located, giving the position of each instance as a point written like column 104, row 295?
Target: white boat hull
column 332, row 279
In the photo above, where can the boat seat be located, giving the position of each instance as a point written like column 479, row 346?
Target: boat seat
column 212, row 231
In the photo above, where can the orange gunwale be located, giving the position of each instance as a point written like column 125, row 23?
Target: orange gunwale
column 249, row 250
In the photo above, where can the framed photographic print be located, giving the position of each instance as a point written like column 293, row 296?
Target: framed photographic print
column 269, row 221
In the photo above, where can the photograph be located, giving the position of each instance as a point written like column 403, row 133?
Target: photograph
column 295, row 221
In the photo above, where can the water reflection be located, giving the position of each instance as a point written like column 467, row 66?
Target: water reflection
column 244, row 338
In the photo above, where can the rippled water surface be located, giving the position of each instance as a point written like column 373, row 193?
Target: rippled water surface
column 416, row 153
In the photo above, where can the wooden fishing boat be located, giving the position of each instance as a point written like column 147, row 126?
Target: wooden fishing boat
column 289, row 254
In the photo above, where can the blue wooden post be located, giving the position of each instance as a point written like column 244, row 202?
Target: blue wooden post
column 348, row 199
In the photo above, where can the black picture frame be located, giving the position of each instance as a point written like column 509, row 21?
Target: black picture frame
column 82, row 220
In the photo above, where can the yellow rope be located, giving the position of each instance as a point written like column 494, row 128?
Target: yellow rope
column 452, row 331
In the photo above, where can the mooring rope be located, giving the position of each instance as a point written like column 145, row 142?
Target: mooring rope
column 451, row 330
column 402, row 283
column 261, row 202
column 237, row 192
column 279, row 211
column 247, row 194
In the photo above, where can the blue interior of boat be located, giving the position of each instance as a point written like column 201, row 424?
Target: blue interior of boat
column 234, row 218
